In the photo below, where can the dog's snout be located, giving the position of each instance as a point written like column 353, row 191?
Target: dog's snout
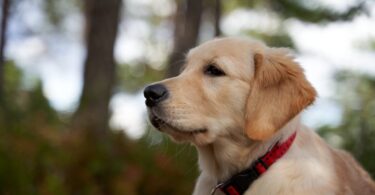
column 155, row 94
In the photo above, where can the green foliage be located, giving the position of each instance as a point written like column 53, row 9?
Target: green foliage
column 24, row 115
column 357, row 129
column 132, row 78
column 371, row 44
column 367, row 44
column 40, row 155
column 57, row 162
column 307, row 11
column 12, row 78
column 56, row 11
column 273, row 40
column 23, row 108
column 232, row 5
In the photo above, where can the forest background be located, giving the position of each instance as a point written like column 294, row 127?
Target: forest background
column 72, row 119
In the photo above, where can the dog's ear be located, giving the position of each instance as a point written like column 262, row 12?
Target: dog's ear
column 279, row 91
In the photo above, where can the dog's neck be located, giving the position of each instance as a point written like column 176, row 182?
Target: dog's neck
column 232, row 154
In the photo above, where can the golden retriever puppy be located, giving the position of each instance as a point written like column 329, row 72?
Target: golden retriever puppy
column 239, row 102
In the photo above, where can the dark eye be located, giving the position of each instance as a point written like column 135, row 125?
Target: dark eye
column 212, row 70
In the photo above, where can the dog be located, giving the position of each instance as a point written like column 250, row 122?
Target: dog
column 239, row 103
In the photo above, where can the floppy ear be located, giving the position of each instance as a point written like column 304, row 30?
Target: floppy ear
column 278, row 93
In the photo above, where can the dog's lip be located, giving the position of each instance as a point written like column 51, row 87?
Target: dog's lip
column 158, row 123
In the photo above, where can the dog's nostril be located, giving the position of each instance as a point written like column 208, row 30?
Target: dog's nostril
column 154, row 94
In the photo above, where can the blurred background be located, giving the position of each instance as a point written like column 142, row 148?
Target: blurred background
column 72, row 114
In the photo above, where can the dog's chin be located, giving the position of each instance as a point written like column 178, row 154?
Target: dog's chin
column 199, row 136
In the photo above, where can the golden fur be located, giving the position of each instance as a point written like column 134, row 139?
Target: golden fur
column 236, row 118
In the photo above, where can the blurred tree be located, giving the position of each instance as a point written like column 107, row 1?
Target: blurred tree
column 214, row 9
column 38, row 155
column 366, row 44
column 312, row 11
column 218, row 14
column 304, row 11
column 279, row 39
column 187, row 23
column 188, row 19
column 56, row 11
column 357, row 129
column 102, row 19
column 4, row 21
column 132, row 78
column 24, row 109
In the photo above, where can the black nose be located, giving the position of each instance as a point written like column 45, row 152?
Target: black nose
column 155, row 94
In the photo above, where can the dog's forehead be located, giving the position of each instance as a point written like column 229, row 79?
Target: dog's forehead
column 220, row 47
column 227, row 52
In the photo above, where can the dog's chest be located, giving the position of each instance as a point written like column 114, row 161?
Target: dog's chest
column 295, row 178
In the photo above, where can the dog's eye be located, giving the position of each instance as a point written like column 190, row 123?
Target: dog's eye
column 212, row 70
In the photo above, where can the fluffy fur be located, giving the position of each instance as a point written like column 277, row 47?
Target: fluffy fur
column 234, row 119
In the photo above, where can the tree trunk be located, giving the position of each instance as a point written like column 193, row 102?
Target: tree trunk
column 187, row 24
column 217, row 17
column 102, row 17
column 4, row 21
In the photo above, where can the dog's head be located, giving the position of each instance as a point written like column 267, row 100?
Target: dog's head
column 229, row 85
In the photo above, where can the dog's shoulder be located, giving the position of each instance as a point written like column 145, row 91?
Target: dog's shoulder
column 353, row 178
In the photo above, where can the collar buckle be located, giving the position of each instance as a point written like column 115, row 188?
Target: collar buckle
column 214, row 189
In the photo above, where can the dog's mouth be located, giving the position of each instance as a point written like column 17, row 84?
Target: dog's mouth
column 162, row 125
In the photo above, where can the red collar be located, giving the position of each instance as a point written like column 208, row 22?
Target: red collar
column 240, row 182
